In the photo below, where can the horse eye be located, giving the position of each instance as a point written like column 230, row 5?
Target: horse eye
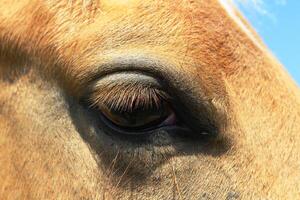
column 140, row 118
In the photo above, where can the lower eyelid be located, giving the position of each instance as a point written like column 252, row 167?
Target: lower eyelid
column 170, row 120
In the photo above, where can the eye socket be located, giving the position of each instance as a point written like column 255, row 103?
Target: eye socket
column 133, row 103
column 140, row 118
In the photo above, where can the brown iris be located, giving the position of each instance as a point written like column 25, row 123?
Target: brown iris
column 137, row 118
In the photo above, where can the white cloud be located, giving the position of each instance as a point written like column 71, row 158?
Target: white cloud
column 257, row 5
column 260, row 7
column 281, row 2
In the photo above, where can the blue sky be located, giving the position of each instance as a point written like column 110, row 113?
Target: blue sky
column 278, row 23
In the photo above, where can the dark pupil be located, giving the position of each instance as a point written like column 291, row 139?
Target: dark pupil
column 141, row 118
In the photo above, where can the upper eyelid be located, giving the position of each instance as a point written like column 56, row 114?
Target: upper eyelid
column 127, row 96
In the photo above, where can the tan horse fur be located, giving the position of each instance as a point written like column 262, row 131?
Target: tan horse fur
column 48, row 49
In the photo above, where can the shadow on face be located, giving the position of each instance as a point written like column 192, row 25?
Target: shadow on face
column 194, row 127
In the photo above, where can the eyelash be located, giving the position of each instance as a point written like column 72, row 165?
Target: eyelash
column 128, row 98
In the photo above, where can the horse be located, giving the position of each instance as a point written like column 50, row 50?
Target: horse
column 132, row 99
